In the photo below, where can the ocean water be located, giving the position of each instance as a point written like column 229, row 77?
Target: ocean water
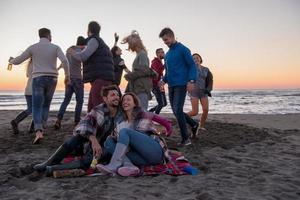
column 223, row 101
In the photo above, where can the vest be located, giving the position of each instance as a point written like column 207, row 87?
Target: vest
column 99, row 64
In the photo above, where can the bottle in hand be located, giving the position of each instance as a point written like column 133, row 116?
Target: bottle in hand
column 94, row 163
column 9, row 67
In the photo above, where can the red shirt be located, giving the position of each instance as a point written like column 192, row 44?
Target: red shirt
column 158, row 67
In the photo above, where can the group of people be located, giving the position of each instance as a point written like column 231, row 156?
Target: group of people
column 123, row 136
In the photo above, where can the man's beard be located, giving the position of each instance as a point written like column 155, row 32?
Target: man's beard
column 115, row 104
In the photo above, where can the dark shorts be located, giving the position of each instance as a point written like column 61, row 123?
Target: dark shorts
column 198, row 93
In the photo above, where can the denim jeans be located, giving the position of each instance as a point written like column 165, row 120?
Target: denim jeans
column 75, row 145
column 190, row 121
column 80, row 146
column 22, row 115
column 75, row 86
column 43, row 88
column 177, row 96
column 160, row 98
column 143, row 149
column 144, row 100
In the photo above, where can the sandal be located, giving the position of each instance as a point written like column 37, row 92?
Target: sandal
column 38, row 136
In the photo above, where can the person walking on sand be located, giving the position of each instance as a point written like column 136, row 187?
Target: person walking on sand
column 98, row 66
column 159, row 94
column 86, row 140
column 181, row 74
column 201, row 91
column 44, row 56
column 75, row 86
column 139, row 81
column 28, row 96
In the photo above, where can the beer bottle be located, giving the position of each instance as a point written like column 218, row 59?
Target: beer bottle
column 9, row 67
column 94, row 163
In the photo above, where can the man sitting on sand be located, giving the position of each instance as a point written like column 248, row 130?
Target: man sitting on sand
column 89, row 135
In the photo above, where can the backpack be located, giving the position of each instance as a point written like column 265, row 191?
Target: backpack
column 209, row 83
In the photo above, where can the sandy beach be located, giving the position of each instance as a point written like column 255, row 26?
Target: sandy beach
column 240, row 157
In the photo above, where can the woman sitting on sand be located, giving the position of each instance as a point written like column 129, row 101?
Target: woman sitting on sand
column 136, row 142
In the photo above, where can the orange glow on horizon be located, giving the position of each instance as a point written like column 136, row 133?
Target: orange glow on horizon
column 287, row 83
column 237, row 79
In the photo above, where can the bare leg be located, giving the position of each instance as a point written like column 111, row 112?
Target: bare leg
column 204, row 103
column 195, row 107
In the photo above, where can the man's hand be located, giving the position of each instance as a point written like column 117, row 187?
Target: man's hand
column 190, row 87
column 97, row 150
column 116, row 38
column 161, row 85
column 156, row 73
column 67, row 80
column 10, row 58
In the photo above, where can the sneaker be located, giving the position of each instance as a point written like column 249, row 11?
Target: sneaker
column 128, row 171
column 186, row 142
column 14, row 126
column 105, row 169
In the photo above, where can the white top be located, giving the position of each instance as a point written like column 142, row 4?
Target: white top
column 123, row 124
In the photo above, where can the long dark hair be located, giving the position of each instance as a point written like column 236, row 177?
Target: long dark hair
column 137, row 112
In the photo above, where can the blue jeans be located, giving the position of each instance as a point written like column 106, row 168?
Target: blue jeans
column 75, row 86
column 75, row 145
column 22, row 115
column 190, row 121
column 177, row 97
column 144, row 100
column 43, row 88
column 143, row 149
column 160, row 98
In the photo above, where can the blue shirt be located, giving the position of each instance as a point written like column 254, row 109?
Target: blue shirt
column 180, row 66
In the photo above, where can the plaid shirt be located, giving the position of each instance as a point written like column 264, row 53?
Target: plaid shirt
column 98, row 118
column 145, row 124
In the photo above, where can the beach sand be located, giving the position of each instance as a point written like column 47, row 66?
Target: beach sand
column 240, row 157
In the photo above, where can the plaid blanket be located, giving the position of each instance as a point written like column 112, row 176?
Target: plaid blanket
column 174, row 167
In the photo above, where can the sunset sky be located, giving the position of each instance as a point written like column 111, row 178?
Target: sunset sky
column 246, row 44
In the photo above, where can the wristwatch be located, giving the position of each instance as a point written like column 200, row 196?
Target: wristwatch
column 192, row 81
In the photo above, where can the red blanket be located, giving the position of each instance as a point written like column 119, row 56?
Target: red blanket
column 175, row 166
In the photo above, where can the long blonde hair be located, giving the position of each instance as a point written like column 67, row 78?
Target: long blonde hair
column 134, row 41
